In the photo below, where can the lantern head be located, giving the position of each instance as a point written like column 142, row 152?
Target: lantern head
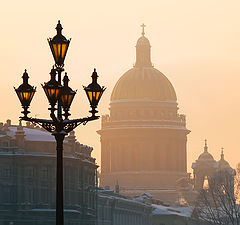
column 94, row 92
column 25, row 93
column 59, row 46
column 67, row 95
column 52, row 89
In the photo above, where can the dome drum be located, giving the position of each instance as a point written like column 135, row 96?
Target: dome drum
column 145, row 110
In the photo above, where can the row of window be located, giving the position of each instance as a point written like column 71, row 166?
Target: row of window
column 70, row 175
column 143, row 113
column 45, row 196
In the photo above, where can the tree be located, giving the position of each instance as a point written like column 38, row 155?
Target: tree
column 219, row 203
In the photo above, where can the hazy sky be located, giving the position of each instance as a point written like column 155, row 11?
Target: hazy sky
column 196, row 44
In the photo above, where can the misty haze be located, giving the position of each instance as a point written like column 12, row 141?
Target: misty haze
column 113, row 121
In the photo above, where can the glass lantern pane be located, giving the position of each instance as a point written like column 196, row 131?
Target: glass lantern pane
column 64, row 49
column 59, row 51
column 53, row 92
column 57, row 91
column 20, row 96
column 97, row 96
column 55, row 50
column 90, row 96
column 26, row 95
column 31, row 96
column 64, row 99
column 50, row 92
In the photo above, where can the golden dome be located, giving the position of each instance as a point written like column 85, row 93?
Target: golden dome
column 143, row 81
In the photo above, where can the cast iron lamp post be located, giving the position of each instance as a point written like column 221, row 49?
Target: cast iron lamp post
column 62, row 96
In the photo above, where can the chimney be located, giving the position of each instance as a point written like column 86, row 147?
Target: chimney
column 8, row 123
column 117, row 188
column 19, row 135
column 72, row 140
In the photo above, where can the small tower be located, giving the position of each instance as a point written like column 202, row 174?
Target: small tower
column 203, row 168
column 20, row 135
column 226, row 173
column 117, row 188
column 143, row 50
column 71, row 139
column 223, row 165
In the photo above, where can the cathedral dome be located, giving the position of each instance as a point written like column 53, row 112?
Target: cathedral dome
column 143, row 81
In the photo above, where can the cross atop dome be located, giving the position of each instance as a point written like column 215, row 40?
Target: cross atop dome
column 143, row 26
column 205, row 147
column 222, row 154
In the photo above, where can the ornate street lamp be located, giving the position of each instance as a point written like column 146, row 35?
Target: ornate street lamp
column 59, row 46
column 25, row 93
column 52, row 89
column 67, row 95
column 62, row 96
column 94, row 92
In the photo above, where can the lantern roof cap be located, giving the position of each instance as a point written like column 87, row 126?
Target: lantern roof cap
column 25, row 86
column 59, row 37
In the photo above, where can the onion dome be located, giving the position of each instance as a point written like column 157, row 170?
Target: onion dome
column 143, row 81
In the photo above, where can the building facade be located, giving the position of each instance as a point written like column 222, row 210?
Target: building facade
column 143, row 140
column 28, row 181
column 115, row 209
column 28, row 177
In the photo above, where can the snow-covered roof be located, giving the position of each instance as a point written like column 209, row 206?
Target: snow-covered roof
column 32, row 134
column 172, row 210
column 110, row 194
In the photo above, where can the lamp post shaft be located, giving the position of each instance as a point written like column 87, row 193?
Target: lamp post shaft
column 59, row 110
column 59, row 175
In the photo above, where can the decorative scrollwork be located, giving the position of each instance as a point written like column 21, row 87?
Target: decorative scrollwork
column 70, row 126
column 47, row 126
column 56, row 125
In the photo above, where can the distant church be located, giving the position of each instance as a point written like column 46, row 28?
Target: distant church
column 206, row 167
column 143, row 140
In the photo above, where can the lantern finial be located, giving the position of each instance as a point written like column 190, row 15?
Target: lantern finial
column 94, row 76
column 25, row 77
column 65, row 80
column 59, row 27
